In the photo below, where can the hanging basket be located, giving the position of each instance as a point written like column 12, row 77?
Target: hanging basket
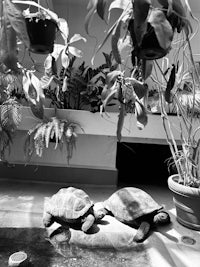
column 42, row 34
column 150, row 48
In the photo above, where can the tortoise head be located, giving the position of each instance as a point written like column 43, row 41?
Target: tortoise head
column 161, row 218
column 99, row 211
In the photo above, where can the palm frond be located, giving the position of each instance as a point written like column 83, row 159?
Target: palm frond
column 11, row 115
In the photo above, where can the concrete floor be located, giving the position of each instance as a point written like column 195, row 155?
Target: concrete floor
column 21, row 205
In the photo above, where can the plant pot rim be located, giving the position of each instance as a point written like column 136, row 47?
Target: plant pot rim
column 182, row 189
column 36, row 16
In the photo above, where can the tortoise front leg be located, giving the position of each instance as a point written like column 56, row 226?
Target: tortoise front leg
column 142, row 232
column 87, row 222
column 48, row 219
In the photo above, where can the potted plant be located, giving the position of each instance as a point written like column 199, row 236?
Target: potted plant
column 20, row 87
column 176, row 84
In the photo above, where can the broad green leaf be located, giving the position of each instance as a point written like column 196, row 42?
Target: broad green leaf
column 121, row 4
column 64, row 29
column 140, row 88
column 58, row 48
column 91, row 11
column 29, row 90
column 77, row 37
column 75, row 51
column 17, row 21
column 162, row 28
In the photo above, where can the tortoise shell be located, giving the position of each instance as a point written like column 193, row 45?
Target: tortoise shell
column 129, row 204
column 69, row 204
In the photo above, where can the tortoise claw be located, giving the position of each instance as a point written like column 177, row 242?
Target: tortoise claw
column 142, row 232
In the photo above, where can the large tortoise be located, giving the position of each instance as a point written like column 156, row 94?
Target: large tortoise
column 71, row 205
column 135, row 207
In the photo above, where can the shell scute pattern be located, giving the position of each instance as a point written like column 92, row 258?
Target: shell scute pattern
column 70, row 203
column 129, row 204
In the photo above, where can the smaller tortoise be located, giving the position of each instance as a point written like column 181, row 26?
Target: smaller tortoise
column 136, row 208
column 71, row 205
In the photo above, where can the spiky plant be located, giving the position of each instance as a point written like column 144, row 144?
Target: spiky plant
column 10, row 118
column 61, row 132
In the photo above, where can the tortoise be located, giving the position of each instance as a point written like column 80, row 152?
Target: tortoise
column 136, row 208
column 71, row 205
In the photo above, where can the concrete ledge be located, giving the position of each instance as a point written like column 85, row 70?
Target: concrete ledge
column 60, row 174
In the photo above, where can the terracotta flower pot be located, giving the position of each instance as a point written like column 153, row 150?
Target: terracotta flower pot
column 187, row 203
column 42, row 33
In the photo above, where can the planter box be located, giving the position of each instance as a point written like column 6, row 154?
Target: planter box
column 96, row 149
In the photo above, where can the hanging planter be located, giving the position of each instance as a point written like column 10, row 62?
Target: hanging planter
column 42, row 33
column 151, row 37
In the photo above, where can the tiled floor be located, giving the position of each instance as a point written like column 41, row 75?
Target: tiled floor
column 21, row 205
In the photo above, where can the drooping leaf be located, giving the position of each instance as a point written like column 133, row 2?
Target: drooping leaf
column 141, row 115
column 114, row 42
column 140, row 11
column 140, row 88
column 147, row 66
column 77, row 37
column 64, row 29
column 8, row 47
column 162, row 28
column 29, row 89
column 101, row 5
column 112, row 76
column 17, row 21
column 58, row 48
column 121, row 4
column 37, row 109
column 75, row 51
column 108, row 95
column 170, row 84
column 64, row 59
column 120, row 122
column 37, row 85
column 11, row 115
column 91, row 11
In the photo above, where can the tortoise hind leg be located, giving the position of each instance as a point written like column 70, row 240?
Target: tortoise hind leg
column 87, row 223
column 142, row 232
